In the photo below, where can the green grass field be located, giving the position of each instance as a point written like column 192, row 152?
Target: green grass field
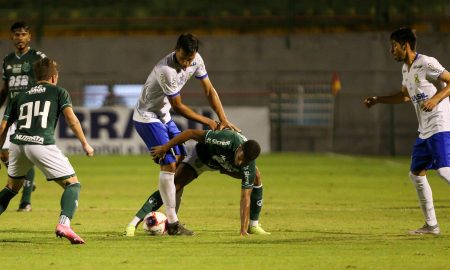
column 324, row 212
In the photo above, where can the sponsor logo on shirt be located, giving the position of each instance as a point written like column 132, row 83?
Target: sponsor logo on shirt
column 17, row 68
column 217, row 142
column 36, row 90
column 433, row 68
column 419, row 97
column 32, row 139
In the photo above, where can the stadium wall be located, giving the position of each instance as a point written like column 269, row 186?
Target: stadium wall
column 242, row 68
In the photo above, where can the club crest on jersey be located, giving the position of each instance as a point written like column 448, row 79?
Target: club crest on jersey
column 416, row 78
column 26, row 67
column 419, row 97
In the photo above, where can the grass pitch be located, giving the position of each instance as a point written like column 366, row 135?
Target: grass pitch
column 324, row 212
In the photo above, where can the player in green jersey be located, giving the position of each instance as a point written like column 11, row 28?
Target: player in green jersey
column 222, row 150
column 36, row 112
column 17, row 77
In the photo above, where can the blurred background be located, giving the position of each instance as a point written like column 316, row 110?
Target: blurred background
column 292, row 74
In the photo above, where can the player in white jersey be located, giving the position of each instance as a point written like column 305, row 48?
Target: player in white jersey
column 426, row 84
column 153, row 121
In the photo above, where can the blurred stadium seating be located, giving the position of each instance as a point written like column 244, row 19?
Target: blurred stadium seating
column 161, row 17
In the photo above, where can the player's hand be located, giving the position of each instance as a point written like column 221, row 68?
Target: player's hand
column 158, row 152
column 370, row 101
column 428, row 105
column 88, row 150
column 228, row 124
column 213, row 125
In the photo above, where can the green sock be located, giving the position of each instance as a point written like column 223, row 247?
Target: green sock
column 27, row 187
column 256, row 202
column 153, row 203
column 5, row 196
column 69, row 200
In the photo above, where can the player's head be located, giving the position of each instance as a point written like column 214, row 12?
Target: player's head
column 186, row 49
column 247, row 152
column 401, row 39
column 21, row 36
column 46, row 70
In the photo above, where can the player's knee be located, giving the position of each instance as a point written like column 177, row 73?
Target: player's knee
column 444, row 173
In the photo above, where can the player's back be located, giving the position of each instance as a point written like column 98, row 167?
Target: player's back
column 36, row 112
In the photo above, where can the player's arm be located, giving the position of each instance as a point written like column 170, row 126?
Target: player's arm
column 4, row 126
column 75, row 126
column 216, row 105
column 187, row 112
column 3, row 93
column 397, row 98
column 429, row 104
column 245, row 210
column 189, row 134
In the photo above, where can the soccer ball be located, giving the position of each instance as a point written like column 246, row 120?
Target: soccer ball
column 155, row 223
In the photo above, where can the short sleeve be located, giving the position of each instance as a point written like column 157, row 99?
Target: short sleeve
column 433, row 68
column 64, row 99
column 167, row 81
column 200, row 71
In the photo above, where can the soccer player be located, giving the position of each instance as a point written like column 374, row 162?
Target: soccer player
column 226, row 151
column 426, row 84
column 18, row 76
column 153, row 121
column 36, row 112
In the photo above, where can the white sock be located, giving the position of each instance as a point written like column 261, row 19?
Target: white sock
column 444, row 173
column 135, row 221
column 425, row 198
column 168, row 190
column 254, row 223
column 64, row 220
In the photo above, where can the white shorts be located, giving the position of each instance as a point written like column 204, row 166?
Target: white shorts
column 192, row 160
column 11, row 130
column 48, row 158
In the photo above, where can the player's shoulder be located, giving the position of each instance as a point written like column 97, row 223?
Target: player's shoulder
column 37, row 53
column 9, row 57
column 425, row 59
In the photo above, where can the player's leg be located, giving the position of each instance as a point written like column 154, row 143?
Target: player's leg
column 440, row 145
column 56, row 167
column 157, row 134
column 421, row 161
column 69, row 204
column 18, row 166
column 183, row 176
column 28, row 188
column 9, row 191
column 256, row 203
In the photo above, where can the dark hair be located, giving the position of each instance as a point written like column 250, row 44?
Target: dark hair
column 251, row 150
column 19, row 25
column 188, row 42
column 405, row 35
column 44, row 69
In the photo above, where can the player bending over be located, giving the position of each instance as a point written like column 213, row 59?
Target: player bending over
column 36, row 112
column 226, row 151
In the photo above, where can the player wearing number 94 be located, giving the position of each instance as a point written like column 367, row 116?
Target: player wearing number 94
column 18, row 76
column 36, row 112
